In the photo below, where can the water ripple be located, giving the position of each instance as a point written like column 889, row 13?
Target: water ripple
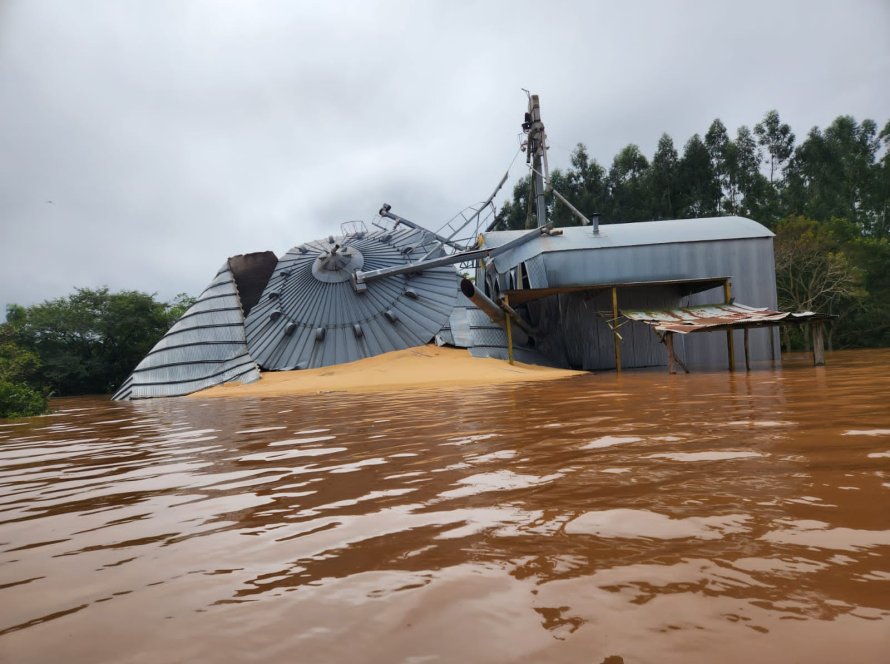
column 660, row 515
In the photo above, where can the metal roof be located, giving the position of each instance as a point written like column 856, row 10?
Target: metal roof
column 205, row 347
column 643, row 232
column 311, row 314
column 715, row 317
column 669, row 231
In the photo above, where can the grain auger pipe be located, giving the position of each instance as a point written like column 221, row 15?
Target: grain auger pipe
column 496, row 312
column 385, row 212
column 361, row 278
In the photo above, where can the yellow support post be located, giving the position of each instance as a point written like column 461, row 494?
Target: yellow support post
column 615, row 334
column 730, row 342
column 509, row 332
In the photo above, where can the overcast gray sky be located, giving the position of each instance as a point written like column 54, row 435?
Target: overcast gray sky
column 144, row 142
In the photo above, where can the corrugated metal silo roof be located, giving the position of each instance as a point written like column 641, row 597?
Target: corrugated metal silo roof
column 311, row 315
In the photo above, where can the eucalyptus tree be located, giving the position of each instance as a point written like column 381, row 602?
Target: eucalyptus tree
column 752, row 194
column 721, row 151
column 698, row 187
column 584, row 184
column 627, row 186
column 516, row 214
column 834, row 173
column 663, row 179
column 777, row 139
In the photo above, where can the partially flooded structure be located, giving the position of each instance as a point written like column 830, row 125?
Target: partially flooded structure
column 574, row 286
column 584, row 297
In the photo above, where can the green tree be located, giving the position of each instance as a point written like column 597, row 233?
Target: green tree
column 752, row 194
column 723, row 164
column 20, row 394
column 584, row 184
column 662, row 183
column 834, row 174
column 516, row 214
column 869, row 324
column 698, row 186
column 813, row 271
column 89, row 341
column 20, row 400
column 879, row 199
column 627, row 187
column 778, row 140
column 180, row 304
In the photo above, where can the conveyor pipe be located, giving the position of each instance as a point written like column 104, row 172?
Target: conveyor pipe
column 494, row 311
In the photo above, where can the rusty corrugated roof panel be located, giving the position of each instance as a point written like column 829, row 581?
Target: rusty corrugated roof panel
column 714, row 316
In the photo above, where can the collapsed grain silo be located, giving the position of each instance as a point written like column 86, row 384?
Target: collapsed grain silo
column 302, row 311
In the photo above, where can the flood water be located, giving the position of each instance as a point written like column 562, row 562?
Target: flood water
column 603, row 518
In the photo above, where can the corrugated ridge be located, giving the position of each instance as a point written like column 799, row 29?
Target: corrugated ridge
column 205, row 347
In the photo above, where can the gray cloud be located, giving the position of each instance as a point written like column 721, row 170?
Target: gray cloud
column 170, row 135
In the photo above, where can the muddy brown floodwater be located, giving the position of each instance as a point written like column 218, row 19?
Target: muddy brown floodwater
column 602, row 518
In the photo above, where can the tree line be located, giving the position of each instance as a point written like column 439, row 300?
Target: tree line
column 761, row 173
column 86, row 343
column 827, row 198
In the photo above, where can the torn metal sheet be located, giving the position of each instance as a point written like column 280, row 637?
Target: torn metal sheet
column 715, row 317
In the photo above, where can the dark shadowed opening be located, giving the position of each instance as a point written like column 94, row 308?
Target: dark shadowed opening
column 252, row 272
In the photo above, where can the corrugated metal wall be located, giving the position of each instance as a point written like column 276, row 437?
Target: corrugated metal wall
column 753, row 269
column 576, row 329
column 205, row 347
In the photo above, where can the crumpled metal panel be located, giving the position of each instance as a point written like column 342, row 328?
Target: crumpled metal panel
column 696, row 319
column 537, row 273
column 205, row 347
column 469, row 327
column 456, row 331
column 310, row 314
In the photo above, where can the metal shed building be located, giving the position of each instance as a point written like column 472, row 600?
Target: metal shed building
column 564, row 284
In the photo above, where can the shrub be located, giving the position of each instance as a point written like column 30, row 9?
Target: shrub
column 19, row 400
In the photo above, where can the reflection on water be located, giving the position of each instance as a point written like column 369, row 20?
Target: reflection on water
column 634, row 518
